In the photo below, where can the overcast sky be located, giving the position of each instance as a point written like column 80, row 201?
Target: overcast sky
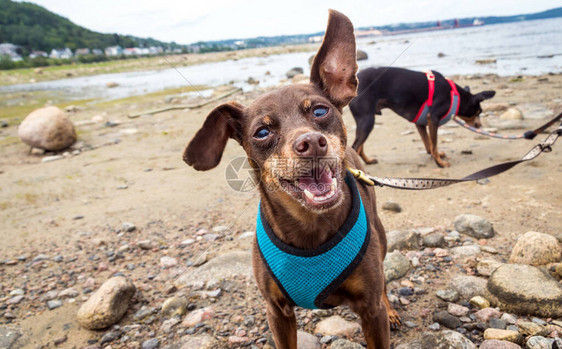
column 203, row 20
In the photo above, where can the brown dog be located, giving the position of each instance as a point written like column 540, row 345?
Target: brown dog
column 296, row 142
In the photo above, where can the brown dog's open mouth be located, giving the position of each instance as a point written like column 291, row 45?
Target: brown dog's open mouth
column 318, row 188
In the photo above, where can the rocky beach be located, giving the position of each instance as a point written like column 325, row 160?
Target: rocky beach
column 115, row 243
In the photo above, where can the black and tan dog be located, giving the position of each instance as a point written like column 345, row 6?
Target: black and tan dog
column 426, row 99
column 319, row 242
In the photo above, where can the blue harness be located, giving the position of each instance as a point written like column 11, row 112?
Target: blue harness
column 308, row 277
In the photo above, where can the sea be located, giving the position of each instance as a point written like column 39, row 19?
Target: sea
column 520, row 48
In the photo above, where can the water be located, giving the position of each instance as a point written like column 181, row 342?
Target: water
column 515, row 46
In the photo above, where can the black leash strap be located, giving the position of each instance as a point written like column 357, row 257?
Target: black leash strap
column 527, row 135
column 431, row 183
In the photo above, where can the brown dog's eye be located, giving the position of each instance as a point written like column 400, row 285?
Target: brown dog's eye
column 320, row 112
column 262, row 133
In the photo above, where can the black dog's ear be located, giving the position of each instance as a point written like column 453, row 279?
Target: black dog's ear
column 205, row 150
column 467, row 88
column 485, row 95
column 335, row 65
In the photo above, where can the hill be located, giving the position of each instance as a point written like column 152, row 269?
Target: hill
column 35, row 28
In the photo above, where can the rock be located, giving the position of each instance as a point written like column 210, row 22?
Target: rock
column 529, row 328
column 52, row 158
column 53, row 304
column 525, row 289
column 539, row 342
column 402, row 240
column 445, row 339
column 343, row 344
column 447, row 320
column 465, row 251
column 480, row 302
column 187, row 242
column 395, row 266
column 469, row 286
column 392, row 206
column 107, row 305
column 457, row 310
column 509, row 319
column 490, row 106
column 448, row 295
column 168, row 262
column 497, row 344
column 175, row 306
column 307, row 340
column 8, row 337
column 222, row 267
column 434, row 240
column 128, row 227
column 47, row 128
column 293, row 72
column 199, row 341
column 484, row 315
column 111, row 84
column 168, row 325
column 512, row 114
column 503, row 335
column 336, row 326
column 362, row 55
column 497, row 323
column 69, row 293
column 152, row 343
column 487, row 266
column 441, row 55
column 535, row 249
column 485, row 61
column 110, row 337
column 474, row 226
column 198, row 316
column 145, row 245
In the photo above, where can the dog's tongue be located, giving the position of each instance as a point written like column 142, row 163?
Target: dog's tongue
column 317, row 183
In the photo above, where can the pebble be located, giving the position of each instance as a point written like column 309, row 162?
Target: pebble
column 497, row 344
column 145, row 245
column 392, row 206
column 168, row 262
column 110, row 337
column 434, row 240
column 128, row 227
column 345, row 344
column 474, row 226
column 446, row 319
column 395, row 266
column 434, row 326
column 484, row 315
column 509, row 319
column 469, row 286
column 529, row 328
column 466, row 251
column 53, row 304
column 336, row 326
column 15, row 300
column 457, row 310
column 448, row 295
column 497, row 323
column 175, row 306
column 187, row 242
column 198, row 316
column 503, row 335
column 152, row 343
column 480, row 302
column 539, row 342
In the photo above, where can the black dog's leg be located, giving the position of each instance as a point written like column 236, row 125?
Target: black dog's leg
column 365, row 124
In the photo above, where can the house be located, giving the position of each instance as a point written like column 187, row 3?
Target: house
column 97, row 52
column 11, row 50
column 113, row 51
column 82, row 51
column 36, row 54
column 61, row 53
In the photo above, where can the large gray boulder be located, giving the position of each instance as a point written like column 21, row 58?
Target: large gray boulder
column 526, row 290
column 107, row 305
column 47, row 128
column 474, row 226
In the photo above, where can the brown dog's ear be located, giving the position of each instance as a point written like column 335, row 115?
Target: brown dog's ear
column 204, row 152
column 335, row 65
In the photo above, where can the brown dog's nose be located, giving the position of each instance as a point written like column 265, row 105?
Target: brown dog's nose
column 311, row 144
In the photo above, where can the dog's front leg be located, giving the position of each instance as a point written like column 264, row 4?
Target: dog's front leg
column 375, row 324
column 422, row 130
column 283, row 324
column 433, row 143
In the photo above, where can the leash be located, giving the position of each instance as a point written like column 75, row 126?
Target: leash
column 527, row 135
column 431, row 183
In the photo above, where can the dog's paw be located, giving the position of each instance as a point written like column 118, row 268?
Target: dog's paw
column 442, row 163
column 394, row 319
column 371, row 161
column 442, row 155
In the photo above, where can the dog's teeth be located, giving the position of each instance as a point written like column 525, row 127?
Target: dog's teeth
column 309, row 194
column 334, row 182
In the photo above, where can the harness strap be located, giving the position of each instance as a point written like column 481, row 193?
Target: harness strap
column 454, row 106
column 431, row 183
column 421, row 116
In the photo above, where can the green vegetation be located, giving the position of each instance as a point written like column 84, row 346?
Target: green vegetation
column 35, row 28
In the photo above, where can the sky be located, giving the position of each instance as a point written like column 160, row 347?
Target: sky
column 190, row 21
